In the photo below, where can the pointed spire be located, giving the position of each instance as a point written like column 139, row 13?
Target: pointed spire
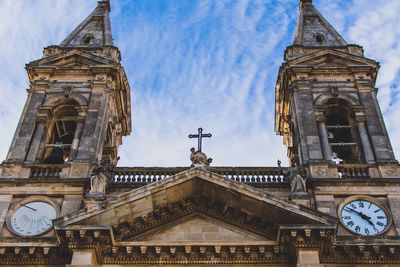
column 314, row 30
column 94, row 31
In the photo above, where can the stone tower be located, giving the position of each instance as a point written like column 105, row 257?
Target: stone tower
column 326, row 106
column 78, row 105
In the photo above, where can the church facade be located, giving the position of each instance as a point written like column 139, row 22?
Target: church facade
column 63, row 201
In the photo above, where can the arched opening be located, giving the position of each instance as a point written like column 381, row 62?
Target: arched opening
column 61, row 133
column 319, row 38
column 87, row 39
column 342, row 132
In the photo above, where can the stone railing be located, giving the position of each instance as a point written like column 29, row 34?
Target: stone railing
column 51, row 171
column 353, row 171
column 247, row 175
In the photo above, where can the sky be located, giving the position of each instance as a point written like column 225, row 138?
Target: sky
column 197, row 63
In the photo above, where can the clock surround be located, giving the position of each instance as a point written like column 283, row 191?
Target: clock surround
column 37, row 212
column 364, row 216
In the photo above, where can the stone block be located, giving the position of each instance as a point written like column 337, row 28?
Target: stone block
column 319, row 171
column 12, row 171
column 5, row 201
column 83, row 258
column 70, row 204
column 79, row 170
column 308, row 258
column 389, row 171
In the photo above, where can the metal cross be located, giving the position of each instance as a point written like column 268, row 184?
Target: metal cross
column 200, row 135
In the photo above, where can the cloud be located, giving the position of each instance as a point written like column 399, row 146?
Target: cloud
column 195, row 63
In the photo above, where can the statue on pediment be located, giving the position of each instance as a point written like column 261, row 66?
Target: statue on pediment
column 199, row 158
column 101, row 175
column 297, row 177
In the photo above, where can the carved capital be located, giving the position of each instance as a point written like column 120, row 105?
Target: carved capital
column 44, row 114
column 320, row 115
column 82, row 112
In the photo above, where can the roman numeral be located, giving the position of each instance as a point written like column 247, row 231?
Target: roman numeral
column 360, row 204
column 378, row 210
column 366, row 231
column 350, row 223
column 357, row 229
column 380, row 224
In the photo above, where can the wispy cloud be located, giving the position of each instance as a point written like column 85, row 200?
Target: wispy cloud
column 193, row 63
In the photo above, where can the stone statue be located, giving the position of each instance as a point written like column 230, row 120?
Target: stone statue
column 101, row 174
column 297, row 178
column 198, row 158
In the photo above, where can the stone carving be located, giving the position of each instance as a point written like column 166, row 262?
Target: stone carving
column 199, row 158
column 297, row 178
column 101, row 175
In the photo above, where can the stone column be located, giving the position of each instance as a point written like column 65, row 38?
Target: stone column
column 366, row 145
column 41, row 120
column 77, row 136
column 323, row 133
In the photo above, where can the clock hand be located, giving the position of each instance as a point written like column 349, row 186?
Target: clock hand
column 28, row 207
column 363, row 216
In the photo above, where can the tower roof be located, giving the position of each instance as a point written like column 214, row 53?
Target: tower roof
column 94, row 31
column 314, row 30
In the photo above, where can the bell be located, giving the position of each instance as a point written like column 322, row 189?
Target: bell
column 56, row 156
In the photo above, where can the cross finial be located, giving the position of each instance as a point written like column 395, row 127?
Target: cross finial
column 200, row 135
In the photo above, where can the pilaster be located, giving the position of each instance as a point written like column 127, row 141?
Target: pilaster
column 83, row 258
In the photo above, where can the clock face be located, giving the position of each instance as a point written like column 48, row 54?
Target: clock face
column 33, row 218
column 364, row 217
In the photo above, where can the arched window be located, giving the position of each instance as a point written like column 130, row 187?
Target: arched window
column 342, row 131
column 61, row 133
column 319, row 38
column 87, row 39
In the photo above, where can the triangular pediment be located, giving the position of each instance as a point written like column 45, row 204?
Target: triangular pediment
column 197, row 228
column 332, row 58
column 74, row 58
column 195, row 190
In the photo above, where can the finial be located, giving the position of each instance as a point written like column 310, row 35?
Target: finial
column 106, row 2
column 303, row 2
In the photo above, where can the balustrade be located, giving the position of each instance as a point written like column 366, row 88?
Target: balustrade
column 247, row 175
column 353, row 171
column 46, row 172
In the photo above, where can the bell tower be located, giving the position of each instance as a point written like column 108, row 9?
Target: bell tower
column 78, row 105
column 326, row 101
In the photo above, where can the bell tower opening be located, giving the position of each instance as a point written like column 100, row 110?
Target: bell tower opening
column 62, row 132
column 342, row 135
